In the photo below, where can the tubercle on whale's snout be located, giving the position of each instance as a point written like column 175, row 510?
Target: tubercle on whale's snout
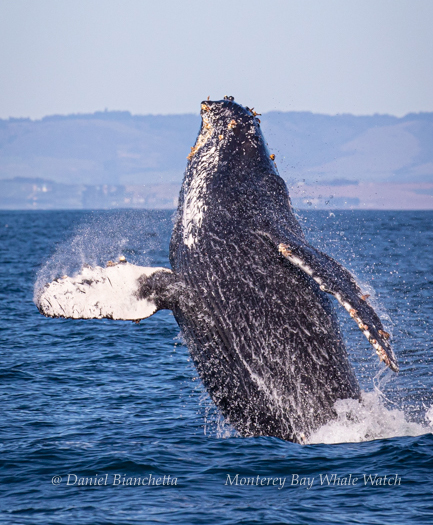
column 227, row 110
column 203, row 137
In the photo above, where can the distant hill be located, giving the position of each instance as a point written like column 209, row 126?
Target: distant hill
column 379, row 148
column 129, row 152
column 102, row 148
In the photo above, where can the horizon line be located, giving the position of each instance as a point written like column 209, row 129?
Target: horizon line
column 126, row 112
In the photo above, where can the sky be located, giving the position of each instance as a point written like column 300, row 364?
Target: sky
column 165, row 56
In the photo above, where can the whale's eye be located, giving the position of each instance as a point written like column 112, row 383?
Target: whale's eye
column 229, row 98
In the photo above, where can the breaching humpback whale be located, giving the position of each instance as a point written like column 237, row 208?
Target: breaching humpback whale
column 249, row 293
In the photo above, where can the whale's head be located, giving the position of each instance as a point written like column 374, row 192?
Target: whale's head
column 229, row 131
column 230, row 168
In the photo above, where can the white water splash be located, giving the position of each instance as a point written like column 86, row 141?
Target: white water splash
column 102, row 237
column 368, row 420
column 429, row 416
column 214, row 424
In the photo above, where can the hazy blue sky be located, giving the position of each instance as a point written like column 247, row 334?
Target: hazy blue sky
column 165, row 56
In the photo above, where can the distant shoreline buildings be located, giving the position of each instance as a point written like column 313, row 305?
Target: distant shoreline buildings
column 21, row 193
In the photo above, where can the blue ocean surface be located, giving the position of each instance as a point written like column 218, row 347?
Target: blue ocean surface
column 105, row 422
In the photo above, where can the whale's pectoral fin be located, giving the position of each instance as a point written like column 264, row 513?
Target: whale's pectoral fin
column 336, row 280
column 120, row 291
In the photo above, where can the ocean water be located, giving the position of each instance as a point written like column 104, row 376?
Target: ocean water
column 118, row 403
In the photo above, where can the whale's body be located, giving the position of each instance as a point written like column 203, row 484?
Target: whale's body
column 264, row 338
column 248, row 292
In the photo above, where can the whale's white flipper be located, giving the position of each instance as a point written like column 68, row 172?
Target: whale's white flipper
column 98, row 293
column 336, row 280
